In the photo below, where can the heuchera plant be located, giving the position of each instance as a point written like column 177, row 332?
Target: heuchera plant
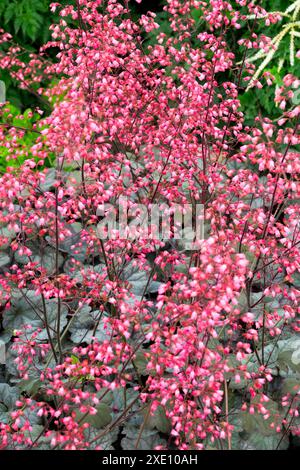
column 143, row 343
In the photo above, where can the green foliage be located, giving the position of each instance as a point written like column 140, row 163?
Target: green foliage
column 8, row 397
column 101, row 419
column 25, row 309
column 26, row 17
column 28, row 129
column 286, row 37
column 280, row 61
column 79, row 325
column 29, row 19
column 164, row 27
column 284, row 42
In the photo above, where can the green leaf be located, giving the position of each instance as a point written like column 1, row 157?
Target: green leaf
column 256, row 422
column 296, row 276
column 259, row 441
column 84, row 323
column 28, row 310
column 101, row 419
column 291, row 385
column 140, row 362
column 9, row 395
column 148, row 439
column 105, row 442
column 158, row 420
column 138, row 279
column 74, row 359
column 44, row 256
column 37, row 431
column 72, row 244
column 4, row 260
column 288, row 355
column 295, row 358
column 30, row 386
column 49, row 180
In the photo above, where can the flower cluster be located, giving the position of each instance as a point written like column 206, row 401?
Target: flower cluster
column 194, row 348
